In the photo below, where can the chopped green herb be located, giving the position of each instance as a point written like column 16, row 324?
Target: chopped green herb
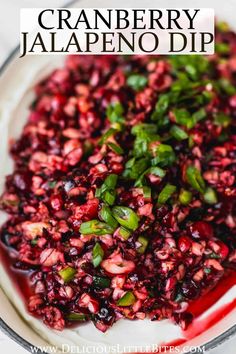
column 183, row 117
column 34, row 242
column 134, row 168
column 223, row 136
column 115, row 113
column 178, row 133
column 166, row 193
column 147, row 192
column 142, row 143
column 97, row 254
column 207, row 270
column 222, row 48
column 144, row 128
column 101, row 282
column 199, row 115
column 222, row 26
column 222, row 120
column 52, row 184
column 111, row 181
column 106, row 192
column 194, row 65
column 162, row 106
column 226, row 86
column 214, row 255
column 164, row 155
column 110, row 132
column 87, row 148
column 116, row 148
column 137, row 82
column 156, row 171
column 179, row 297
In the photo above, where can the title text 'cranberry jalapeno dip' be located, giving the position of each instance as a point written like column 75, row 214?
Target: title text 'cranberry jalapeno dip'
column 122, row 200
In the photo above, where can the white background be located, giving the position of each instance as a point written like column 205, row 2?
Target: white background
column 9, row 39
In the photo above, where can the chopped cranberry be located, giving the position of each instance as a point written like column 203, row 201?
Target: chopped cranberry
column 184, row 243
column 201, row 230
column 22, row 181
column 190, row 290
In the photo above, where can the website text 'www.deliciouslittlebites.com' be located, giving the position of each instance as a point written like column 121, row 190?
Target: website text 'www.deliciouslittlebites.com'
column 118, row 349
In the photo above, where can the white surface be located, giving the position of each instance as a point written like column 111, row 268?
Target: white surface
column 9, row 15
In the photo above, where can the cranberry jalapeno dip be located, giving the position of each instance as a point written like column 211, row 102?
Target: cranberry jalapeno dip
column 122, row 200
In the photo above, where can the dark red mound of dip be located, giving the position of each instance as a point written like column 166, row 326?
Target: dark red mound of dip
column 122, row 199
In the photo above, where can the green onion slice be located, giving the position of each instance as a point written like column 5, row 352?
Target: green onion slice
column 106, row 215
column 126, row 217
column 97, row 254
column 195, row 179
column 124, row 233
column 178, row 133
column 166, row 193
column 95, row 227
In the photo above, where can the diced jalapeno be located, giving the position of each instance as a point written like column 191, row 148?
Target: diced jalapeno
column 67, row 274
column 210, row 196
column 73, row 316
column 127, row 300
column 185, row 197
column 144, row 243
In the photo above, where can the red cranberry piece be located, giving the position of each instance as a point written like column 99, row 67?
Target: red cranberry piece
column 201, row 230
column 56, row 202
column 22, row 181
column 184, row 243
column 169, row 220
column 190, row 290
column 58, row 102
column 224, row 250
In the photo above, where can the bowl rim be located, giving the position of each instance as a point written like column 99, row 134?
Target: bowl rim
column 6, row 329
